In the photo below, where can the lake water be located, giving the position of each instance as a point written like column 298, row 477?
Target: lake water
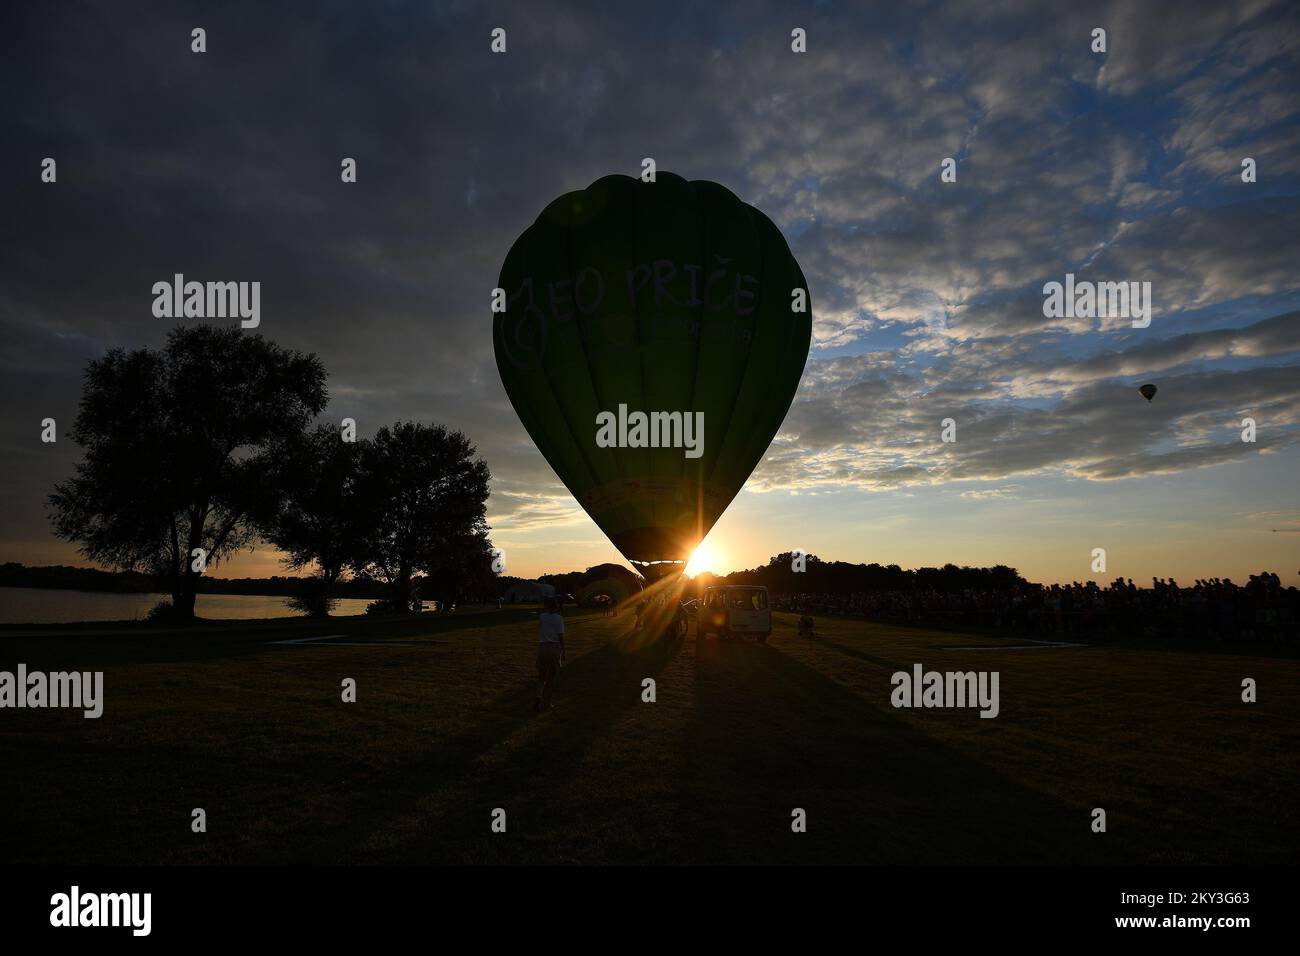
column 49, row 606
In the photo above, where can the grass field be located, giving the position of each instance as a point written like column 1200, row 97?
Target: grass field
column 741, row 733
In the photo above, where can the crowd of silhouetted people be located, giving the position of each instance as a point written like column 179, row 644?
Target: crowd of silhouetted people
column 1213, row 610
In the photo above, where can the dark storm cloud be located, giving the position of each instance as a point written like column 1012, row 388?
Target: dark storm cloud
column 226, row 166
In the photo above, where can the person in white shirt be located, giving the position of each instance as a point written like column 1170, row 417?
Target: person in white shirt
column 550, row 652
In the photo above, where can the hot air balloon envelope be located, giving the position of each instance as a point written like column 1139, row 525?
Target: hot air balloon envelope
column 1148, row 392
column 653, row 338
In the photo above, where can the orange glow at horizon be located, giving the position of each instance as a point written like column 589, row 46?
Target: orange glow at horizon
column 706, row 557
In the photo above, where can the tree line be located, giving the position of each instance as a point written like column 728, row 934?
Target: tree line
column 207, row 447
column 615, row 580
column 64, row 577
column 780, row 576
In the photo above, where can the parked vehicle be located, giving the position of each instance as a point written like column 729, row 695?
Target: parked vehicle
column 734, row 611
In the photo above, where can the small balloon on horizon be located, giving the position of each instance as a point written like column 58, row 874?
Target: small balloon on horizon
column 1148, row 391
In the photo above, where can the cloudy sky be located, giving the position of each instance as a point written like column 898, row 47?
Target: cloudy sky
column 928, row 304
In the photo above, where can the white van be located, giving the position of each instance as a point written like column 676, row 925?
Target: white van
column 734, row 611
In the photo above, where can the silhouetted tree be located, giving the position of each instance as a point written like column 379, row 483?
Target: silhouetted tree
column 425, row 495
column 176, row 445
column 318, row 519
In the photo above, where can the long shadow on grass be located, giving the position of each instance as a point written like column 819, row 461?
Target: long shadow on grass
column 768, row 735
column 849, row 651
column 772, row 734
column 438, row 811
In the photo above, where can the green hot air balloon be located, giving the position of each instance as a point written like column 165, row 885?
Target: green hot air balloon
column 1148, row 391
column 652, row 340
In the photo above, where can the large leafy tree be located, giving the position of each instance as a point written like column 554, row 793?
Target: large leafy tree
column 178, row 450
column 319, row 518
column 426, row 494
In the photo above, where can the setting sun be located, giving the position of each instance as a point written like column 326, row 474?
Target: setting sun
column 706, row 557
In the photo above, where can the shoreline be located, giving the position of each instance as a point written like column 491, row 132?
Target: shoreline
column 204, row 626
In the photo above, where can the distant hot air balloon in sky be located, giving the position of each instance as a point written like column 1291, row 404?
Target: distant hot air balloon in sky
column 653, row 337
column 1148, row 391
